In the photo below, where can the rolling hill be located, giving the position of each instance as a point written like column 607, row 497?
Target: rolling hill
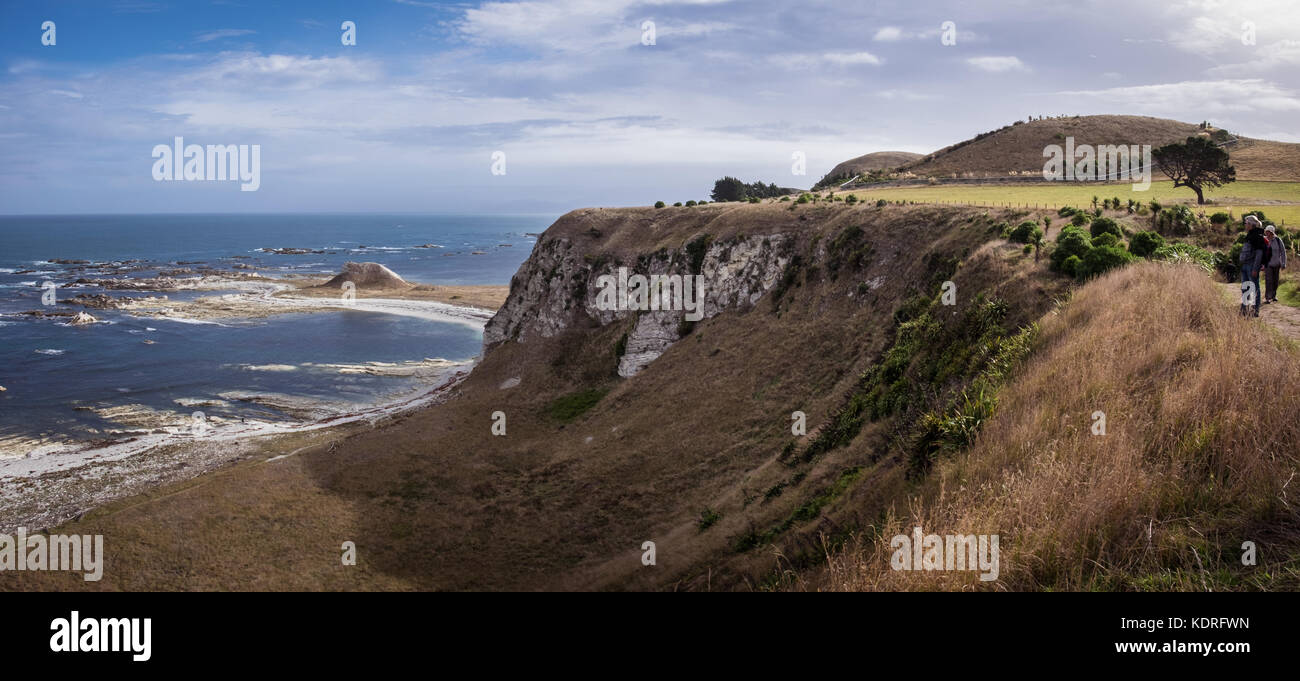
column 1018, row 148
column 878, row 160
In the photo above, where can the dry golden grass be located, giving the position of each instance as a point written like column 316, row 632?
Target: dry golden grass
column 1201, row 444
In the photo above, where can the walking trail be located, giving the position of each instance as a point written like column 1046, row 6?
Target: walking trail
column 1280, row 316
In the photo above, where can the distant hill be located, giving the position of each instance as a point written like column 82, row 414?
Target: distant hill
column 879, row 160
column 1265, row 160
column 1018, row 148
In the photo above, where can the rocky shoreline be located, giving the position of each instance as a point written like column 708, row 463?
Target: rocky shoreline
column 151, row 446
column 48, row 489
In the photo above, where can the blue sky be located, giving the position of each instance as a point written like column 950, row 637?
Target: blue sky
column 409, row 117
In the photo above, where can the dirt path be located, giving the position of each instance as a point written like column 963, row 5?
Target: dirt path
column 1282, row 317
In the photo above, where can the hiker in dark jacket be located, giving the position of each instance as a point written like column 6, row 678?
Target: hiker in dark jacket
column 1274, row 263
column 1252, row 259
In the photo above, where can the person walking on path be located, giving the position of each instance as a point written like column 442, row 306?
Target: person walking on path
column 1274, row 263
column 1253, row 251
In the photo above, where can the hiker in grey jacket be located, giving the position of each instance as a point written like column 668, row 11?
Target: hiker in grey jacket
column 1252, row 259
column 1274, row 263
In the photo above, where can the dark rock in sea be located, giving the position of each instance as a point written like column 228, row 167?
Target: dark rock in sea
column 42, row 314
column 61, row 261
column 95, row 301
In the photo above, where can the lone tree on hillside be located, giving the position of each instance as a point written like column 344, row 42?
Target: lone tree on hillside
column 1195, row 164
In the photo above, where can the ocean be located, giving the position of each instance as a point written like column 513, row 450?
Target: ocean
column 128, row 374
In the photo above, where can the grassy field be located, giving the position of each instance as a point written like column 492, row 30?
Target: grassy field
column 1238, row 197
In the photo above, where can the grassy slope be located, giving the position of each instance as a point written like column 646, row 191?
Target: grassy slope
column 434, row 501
column 1199, row 449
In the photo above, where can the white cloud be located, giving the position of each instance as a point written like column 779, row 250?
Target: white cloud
column 1278, row 55
column 888, row 34
column 1195, row 99
column 1216, row 27
column 848, row 58
column 25, row 66
column 221, row 34
column 997, row 64
column 801, row 61
column 250, row 70
column 577, row 26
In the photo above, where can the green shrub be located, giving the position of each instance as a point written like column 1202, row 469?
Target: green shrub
column 785, row 198
column 1072, row 265
column 1025, row 232
column 1029, row 248
column 1177, row 220
column 1102, row 259
column 659, row 204
column 1105, row 239
column 1105, row 225
column 1145, row 243
column 1187, row 253
column 678, row 204
column 690, row 203
column 1257, row 213
column 853, row 198
column 1071, row 242
column 1079, row 219
column 1065, row 211
column 880, row 203
column 753, row 199
column 1226, row 263
column 1220, row 218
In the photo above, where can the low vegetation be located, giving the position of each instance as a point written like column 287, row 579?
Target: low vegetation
column 573, row 405
column 1186, row 468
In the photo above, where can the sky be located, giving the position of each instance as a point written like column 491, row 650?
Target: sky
column 583, row 106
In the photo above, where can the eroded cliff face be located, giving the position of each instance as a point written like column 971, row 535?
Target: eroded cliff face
column 560, row 287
